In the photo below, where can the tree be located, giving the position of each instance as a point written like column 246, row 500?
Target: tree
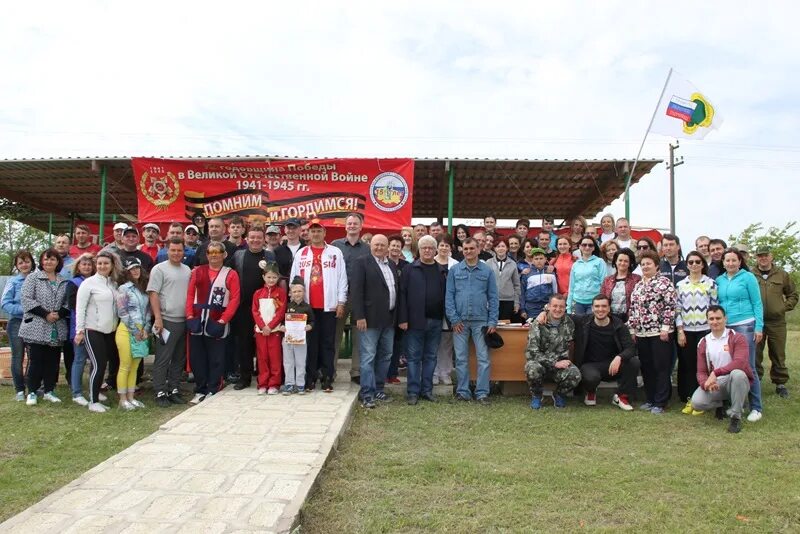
column 783, row 242
column 16, row 236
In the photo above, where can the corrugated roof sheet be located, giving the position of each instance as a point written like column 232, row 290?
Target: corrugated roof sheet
column 506, row 188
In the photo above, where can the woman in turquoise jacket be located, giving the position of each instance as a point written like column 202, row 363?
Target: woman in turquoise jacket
column 740, row 296
column 586, row 278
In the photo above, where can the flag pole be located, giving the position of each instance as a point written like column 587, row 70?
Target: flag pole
column 630, row 174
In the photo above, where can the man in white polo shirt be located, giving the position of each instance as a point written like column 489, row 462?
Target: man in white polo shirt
column 723, row 369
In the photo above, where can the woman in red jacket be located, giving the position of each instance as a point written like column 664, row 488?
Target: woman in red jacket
column 268, row 309
column 211, row 302
column 563, row 263
column 619, row 286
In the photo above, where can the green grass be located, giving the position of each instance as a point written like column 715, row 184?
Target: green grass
column 465, row 468
column 793, row 319
column 46, row 446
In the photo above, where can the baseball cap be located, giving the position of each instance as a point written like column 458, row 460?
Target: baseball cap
column 120, row 226
column 192, row 227
column 272, row 229
column 129, row 229
column 741, row 247
column 315, row 222
column 293, row 221
column 131, row 262
column 154, row 226
column 763, row 250
column 537, row 250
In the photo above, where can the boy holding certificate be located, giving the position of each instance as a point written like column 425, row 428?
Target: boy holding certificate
column 299, row 320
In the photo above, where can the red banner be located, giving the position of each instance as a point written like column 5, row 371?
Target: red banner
column 273, row 191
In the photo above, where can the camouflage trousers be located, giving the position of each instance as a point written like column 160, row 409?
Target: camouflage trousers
column 565, row 379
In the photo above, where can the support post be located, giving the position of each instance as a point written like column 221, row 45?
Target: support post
column 103, row 186
column 450, row 196
column 50, row 229
column 671, row 166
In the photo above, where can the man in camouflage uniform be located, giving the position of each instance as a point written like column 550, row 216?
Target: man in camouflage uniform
column 548, row 354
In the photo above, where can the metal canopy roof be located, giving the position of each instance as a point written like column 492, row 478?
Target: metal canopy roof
column 508, row 189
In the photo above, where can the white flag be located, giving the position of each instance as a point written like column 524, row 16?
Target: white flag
column 684, row 111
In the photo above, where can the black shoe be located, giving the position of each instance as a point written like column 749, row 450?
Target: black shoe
column 484, row 401
column 175, row 397
column 162, row 401
column 383, row 397
column 719, row 413
column 241, row 385
column 459, row 398
column 735, row 425
column 412, row 400
column 327, row 386
column 427, row 397
column 368, row 403
column 782, row 391
column 311, row 387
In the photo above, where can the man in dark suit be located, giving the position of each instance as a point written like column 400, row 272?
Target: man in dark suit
column 374, row 291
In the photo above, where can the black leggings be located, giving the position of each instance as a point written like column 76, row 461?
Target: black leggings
column 687, row 365
column 98, row 348
column 43, row 366
column 69, row 356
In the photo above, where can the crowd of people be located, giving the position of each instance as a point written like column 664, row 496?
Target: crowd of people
column 601, row 304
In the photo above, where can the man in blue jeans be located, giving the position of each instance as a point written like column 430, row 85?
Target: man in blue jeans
column 374, row 289
column 471, row 305
column 420, row 314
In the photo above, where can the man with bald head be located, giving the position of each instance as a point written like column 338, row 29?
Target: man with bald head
column 374, row 290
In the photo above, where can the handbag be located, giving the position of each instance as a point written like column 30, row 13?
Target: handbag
column 139, row 349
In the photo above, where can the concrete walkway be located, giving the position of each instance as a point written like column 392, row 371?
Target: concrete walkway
column 235, row 463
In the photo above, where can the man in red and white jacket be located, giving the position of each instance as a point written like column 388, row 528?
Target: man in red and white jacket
column 723, row 369
column 321, row 266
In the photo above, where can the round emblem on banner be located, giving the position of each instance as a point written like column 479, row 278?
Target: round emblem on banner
column 389, row 191
column 160, row 190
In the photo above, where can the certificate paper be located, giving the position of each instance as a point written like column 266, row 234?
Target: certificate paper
column 295, row 329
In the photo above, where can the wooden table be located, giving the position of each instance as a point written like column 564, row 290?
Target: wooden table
column 508, row 362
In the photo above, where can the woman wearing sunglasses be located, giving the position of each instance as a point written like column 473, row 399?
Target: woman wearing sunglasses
column 586, row 277
column 695, row 294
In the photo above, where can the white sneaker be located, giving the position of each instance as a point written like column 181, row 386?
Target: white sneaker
column 32, row 400
column 20, row 396
column 126, row 406
column 447, row 381
column 197, row 399
column 262, row 391
column 208, row 397
column 272, row 391
column 102, row 397
column 80, row 400
column 435, row 380
column 97, row 407
column 754, row 416
column 137, row 403
column 51, row 397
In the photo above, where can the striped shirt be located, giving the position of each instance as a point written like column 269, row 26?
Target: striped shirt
column 694, row 298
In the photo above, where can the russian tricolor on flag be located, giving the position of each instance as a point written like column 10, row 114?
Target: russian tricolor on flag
column 680, row 108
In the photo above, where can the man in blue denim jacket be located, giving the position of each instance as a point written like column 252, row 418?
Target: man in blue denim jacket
column 471, row 305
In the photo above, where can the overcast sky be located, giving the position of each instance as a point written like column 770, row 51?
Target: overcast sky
column 445, row 79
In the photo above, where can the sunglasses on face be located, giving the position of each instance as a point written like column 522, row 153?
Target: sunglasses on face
column 694, row 262
column 642, row 247
column 587, row 245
